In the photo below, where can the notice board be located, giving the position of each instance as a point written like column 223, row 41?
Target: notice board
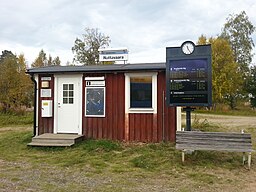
column 189, row 76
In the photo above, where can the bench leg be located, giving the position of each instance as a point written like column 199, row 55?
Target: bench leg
column 249, row 160
column 183, row 156
column 244, row 158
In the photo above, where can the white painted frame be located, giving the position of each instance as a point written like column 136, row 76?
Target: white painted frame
column 37, row 102
column 128, row 108
column 56, row 87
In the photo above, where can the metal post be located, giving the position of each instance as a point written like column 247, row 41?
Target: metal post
column 188, row 117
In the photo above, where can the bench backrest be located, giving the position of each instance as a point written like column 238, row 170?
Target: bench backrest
column 219, row 141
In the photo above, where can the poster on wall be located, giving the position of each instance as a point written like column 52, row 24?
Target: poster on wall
column 46, row 93
column 95, row 101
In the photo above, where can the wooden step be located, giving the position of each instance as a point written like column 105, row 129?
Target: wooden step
column 38, row 144
column 48, row 139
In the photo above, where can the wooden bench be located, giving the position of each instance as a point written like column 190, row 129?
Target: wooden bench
column 214, row 141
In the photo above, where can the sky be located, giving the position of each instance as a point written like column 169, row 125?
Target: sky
column 145, row 27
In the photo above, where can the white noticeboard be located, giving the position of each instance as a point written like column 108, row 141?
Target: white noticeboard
column 46, row 92
column 46, row 110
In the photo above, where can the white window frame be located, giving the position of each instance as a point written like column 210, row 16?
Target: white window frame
column 128, row 108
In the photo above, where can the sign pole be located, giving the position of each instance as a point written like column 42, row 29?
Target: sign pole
column 188, row 117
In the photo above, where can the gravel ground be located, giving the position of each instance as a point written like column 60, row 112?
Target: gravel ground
column 229, row 121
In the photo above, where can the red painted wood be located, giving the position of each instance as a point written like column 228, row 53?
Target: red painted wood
column 112, row 125
column 149, row 127
column 153, row 133
column 45, row 125
column 131, row 127
column 117, row 125
column 138, row 127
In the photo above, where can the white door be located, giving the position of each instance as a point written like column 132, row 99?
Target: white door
column 69, row 105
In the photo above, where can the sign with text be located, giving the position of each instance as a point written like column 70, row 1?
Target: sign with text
column 189, row 76
column 113, row 54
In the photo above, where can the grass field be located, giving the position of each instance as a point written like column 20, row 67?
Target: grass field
column 116, row 166
column 16, row 120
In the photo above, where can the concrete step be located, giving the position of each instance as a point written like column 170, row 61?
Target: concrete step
column 49, row 139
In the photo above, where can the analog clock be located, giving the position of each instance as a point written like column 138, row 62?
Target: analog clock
column 188, row 47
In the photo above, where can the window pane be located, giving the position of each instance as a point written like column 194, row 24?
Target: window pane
column 71, row 93
column 65, row 86
column 71, row 100
column 65, row 100
column 71, row 87
column 141, row 92
column 65, row 93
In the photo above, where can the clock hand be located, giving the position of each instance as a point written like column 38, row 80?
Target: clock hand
column 188, row 49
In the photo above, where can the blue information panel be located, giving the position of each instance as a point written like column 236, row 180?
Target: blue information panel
column 189, row 80
column 95, row 101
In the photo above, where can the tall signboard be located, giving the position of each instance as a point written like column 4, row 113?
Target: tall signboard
column 189, row 76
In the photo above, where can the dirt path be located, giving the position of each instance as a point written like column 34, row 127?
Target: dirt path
column 225, row 120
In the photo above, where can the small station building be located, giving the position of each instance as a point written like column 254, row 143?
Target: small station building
column 123, row 102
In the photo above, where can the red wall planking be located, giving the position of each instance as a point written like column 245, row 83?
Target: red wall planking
column 45, row 124
column 117, row 125
column 137, row 127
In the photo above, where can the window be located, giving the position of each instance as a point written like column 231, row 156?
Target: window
column 95, row 101
column 141, row 92
column 68, row 93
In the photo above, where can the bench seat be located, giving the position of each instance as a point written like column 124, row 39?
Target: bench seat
column 214, row 141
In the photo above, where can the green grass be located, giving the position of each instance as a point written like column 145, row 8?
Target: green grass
column 117, row 166
column 105, row 154
column 16, row 120
column 120, row 161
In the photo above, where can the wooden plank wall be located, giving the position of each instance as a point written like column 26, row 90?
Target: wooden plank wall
column 138, row 127
column 112, row 125
column 149, row 127
column 45, row 124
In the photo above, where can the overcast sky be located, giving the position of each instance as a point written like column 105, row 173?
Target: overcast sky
column 145, row 27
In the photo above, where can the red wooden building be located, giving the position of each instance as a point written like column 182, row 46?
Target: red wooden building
column 119, row 102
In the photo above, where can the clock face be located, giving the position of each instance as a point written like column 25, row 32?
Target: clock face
column 188, row 47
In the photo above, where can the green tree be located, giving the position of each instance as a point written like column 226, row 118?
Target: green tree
column 251, row 86
column 25, row 88
column 226, row 78
column 56, row 61
column 86, row 49
column 41, row 60
column 49, row 61
column 5, row 54
column 238, row 30
column 15, row 86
